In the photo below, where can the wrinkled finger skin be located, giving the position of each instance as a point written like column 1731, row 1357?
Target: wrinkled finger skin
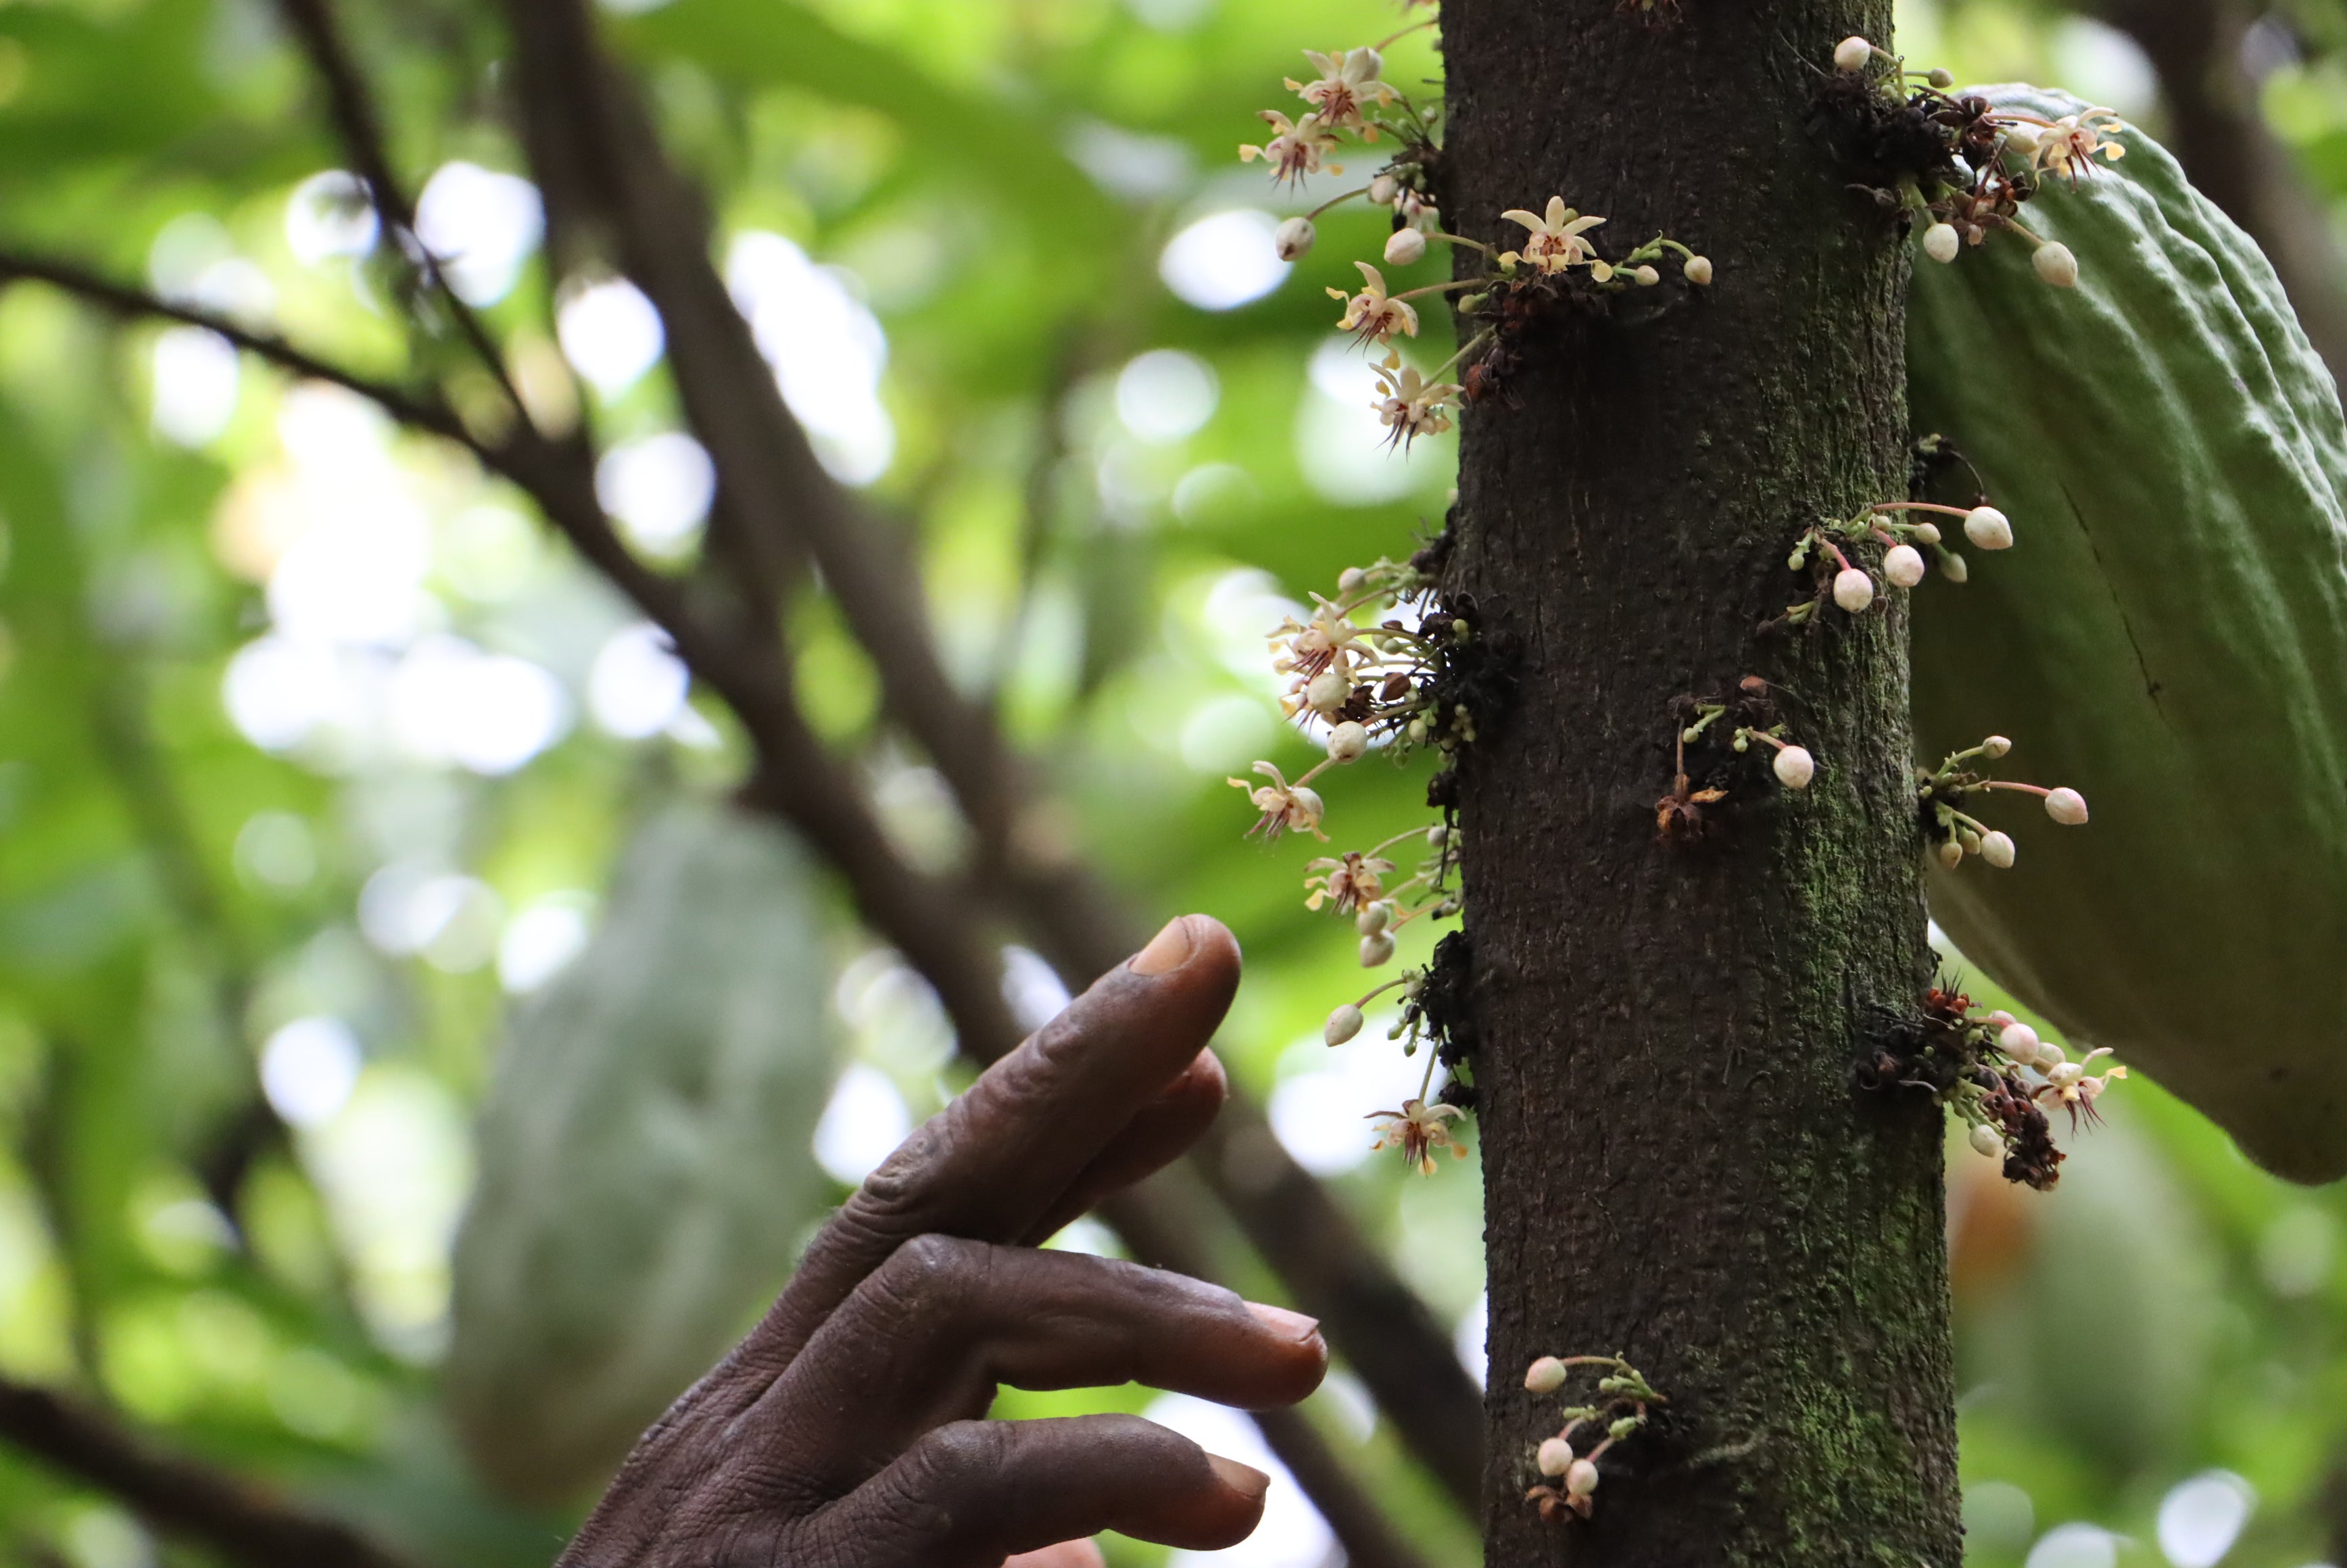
column 846, row 1430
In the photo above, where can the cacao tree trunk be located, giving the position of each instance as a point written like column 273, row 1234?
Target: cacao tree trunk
column 1679, row 1164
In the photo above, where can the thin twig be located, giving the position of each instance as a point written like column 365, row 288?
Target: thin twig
column 361, row 130
column 178, row 1495
column 423, row 411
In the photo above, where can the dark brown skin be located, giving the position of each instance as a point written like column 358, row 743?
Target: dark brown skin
column 847, row 1429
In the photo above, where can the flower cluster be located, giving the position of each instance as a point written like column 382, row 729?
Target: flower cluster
column 1396, row 684
column 1347, row 96
column 1555, row 260
column 1952, row 832
column 1624, row 1406
column 1959, row 167
column 1824, row 552
column 1997, row 1074
column 1728, row 729
column 1414, row 678
column 1555, row 269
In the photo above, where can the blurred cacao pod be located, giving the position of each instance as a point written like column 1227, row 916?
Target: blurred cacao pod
column 645, row 1163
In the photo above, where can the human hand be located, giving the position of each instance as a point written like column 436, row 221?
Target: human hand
column 846, row 1430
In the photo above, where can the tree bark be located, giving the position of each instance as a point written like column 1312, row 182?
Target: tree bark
column 1678, row 1164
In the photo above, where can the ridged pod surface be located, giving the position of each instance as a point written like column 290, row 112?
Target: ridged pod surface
column 2168, row 635
column 646, row 1175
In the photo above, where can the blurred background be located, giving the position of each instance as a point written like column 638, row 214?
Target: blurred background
column 323, row 765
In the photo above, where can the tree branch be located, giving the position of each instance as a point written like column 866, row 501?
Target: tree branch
column 177, row 1495
column 361, row 130
column 423, row 411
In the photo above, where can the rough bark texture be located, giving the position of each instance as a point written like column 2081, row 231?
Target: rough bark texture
column 1679, row 1165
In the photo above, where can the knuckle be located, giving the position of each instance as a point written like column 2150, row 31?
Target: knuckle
column 956, row 1461
column 929, row 1283
column 903, row 1184
column 930, row 1262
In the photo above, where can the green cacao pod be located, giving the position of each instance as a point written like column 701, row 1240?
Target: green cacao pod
column 645, row 1161
column 2168, row 636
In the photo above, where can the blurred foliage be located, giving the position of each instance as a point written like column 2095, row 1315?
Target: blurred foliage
column 316, row 755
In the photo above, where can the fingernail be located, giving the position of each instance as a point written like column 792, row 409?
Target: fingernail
column 1169, row 950
column 1245, row 1480
column 1286, row 1323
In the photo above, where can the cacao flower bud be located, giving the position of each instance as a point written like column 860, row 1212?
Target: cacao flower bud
column 1343, row 1025
column 2056, row 264
column 1940, row 241
column 1404, row 247
column 2066, row 807
column 1853, row 590
column 1292, row 239
column 1348, row 741
column 1903, row 564
column 1795, row 767
column 1852, row 53
column 1988, row 529
column 1545, row 1376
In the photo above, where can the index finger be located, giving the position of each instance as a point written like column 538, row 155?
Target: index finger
column 999, row 1159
